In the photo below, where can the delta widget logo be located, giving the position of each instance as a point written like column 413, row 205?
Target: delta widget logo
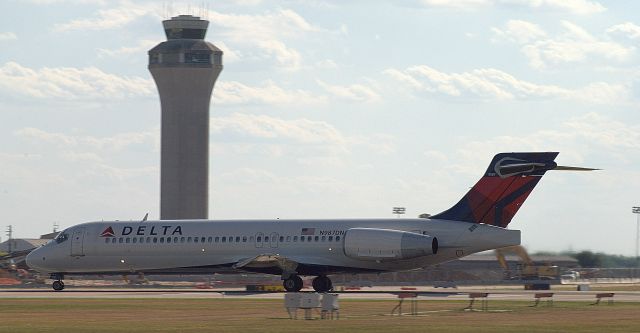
column 108, row 233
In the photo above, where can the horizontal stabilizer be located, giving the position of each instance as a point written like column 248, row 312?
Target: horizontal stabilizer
column 570, row 168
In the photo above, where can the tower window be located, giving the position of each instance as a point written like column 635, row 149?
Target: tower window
column 197, row 58
column 217, row 58
column 154, row 58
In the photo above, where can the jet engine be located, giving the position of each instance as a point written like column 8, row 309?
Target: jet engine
column 387, row 245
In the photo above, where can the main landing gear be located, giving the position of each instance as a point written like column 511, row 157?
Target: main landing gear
column 292, row 283
column 321, row 284
column 57, row 285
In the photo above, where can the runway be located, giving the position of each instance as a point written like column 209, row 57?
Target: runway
column 369, row 294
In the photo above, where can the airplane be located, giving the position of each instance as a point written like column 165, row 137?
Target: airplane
column 295, row 248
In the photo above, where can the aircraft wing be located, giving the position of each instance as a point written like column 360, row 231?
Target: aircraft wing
column 268, row 260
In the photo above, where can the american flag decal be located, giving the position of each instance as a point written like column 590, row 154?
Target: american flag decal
column 308, row 231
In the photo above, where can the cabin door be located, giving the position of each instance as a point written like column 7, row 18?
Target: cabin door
column 77, row 242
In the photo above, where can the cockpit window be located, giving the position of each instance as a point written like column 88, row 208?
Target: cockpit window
column 63, row 236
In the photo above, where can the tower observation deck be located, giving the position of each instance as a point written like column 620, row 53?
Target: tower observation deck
column 185, row 69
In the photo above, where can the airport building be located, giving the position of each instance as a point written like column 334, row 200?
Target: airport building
column 185, row 69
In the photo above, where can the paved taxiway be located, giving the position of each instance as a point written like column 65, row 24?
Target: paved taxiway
column 506, row 295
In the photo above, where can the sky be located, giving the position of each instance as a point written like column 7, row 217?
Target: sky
column 329, row 109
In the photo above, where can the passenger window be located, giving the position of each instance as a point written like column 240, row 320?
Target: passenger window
column 128, row 240
column 148, row 239
column 258, row 239
column 281, row 239
column 182, row 239
column 162, row 240
column 217, row 239
column 237, row 239
column 195, row 239
column 337, row 238
column 244, row 239
column 106, row 240
column 308, row 238
column 155, row 240
column 120, row 240
column 251, row 239
column 317, row 238
column 324, row 238
column 168, row 239
column 224, row 239
column 230, row 239
column 331, row 238
column 295, row 238
column 301, row 238
column 141, row 239
column 188, row 239
column 210, row 239
column 175, row 239
column 134, row 240
column 288, row 238
column 266, row 238
column 202, row 239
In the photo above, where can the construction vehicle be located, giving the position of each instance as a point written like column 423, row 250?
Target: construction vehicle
column 537, row 276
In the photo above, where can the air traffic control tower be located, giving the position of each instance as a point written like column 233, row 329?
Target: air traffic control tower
column 185, row 69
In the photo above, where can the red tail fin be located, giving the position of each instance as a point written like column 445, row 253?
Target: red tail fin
column 497, row 196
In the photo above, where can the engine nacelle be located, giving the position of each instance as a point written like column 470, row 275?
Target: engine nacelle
column 386, row 245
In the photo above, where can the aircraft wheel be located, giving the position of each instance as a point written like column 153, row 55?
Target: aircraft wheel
column 293, row 283
column 58, row 285
column 322, row 284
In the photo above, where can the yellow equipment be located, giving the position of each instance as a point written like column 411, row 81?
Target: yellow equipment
column 527, row 270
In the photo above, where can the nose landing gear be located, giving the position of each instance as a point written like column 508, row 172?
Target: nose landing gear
column 57, row 285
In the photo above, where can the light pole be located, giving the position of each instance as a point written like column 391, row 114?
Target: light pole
column 9, row 234
column 636, row 210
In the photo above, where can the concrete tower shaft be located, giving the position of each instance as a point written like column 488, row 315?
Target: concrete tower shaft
column 185, row 69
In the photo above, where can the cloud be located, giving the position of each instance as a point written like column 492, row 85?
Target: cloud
column 250, row 126
column 268, row 32
column 573, row 45
column 90, row 83
column 576, row 138
column 457, row 4
column 629, row 29
column 301, row 138
column 141, row 48
column 519, row 31
column 288, row 58
column 579, row 7
column 493, row 84
column 326, row 64
column 7, row 36
column 111, row 18
column 70, row 83
column 233, row 93
column 114, row 143
column 352, row 93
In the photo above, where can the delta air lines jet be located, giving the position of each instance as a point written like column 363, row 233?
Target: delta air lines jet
column 294, row 248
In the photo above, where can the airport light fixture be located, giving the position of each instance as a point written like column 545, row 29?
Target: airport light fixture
column 399, row 210
column 636, row 210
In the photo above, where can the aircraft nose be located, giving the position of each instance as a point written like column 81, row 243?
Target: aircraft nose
column 34, row 258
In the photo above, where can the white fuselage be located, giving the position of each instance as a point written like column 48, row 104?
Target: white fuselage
column 204, row 246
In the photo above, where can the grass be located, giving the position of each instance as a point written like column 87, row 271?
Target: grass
column 243, row 315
